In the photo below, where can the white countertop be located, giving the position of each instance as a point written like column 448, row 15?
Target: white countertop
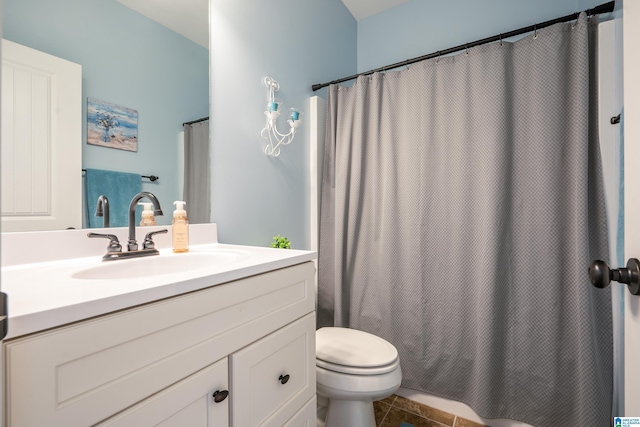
column 45, row 294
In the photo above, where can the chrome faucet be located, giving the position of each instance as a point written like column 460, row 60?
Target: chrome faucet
column 114, row 250
column 132, row 245
column 102, row 209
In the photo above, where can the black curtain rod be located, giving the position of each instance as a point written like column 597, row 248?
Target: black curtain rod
column 150, row 177
column 603, row 8
column 204, row 119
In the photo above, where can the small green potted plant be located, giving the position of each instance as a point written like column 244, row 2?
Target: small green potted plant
column 280, row 242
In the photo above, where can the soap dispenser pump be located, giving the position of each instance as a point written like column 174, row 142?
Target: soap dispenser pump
column 180, row 228
column 147, row 215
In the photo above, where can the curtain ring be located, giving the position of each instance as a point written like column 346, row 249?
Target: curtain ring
column 535, row 32
column 467, row 48
column 438, row 58
column 406, row 64
column 500, row 39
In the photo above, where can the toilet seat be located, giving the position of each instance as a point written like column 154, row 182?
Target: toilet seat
column 351, row 351
column 351, row 370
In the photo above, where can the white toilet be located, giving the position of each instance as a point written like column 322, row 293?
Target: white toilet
column 354, row 368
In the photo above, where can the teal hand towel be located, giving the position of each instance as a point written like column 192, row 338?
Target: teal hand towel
column 119, row 188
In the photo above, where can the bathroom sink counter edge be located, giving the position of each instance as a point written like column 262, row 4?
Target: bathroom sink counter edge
column 46, row 290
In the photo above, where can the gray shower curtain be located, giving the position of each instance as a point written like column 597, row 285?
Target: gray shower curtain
column 462, row 203
column 197, row 180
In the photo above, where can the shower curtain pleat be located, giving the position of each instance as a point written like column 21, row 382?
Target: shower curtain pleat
column 462, row 203
column 197, row 181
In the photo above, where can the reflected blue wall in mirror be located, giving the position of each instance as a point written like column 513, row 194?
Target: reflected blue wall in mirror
column 127, row 59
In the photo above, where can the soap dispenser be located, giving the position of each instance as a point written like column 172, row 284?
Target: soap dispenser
column 180, row 228
column 147, row 215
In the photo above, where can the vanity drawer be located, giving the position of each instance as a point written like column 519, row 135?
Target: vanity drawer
column 83, row 373
column 274, row 377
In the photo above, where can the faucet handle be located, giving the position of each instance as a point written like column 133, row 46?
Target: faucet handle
column 114, row 244
column 148, row 241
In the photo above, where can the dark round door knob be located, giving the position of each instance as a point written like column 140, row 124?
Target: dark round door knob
column 601, row 275
column 284, row 378
column 220, row 395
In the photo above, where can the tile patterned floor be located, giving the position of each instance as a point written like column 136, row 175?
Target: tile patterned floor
column 397, row 411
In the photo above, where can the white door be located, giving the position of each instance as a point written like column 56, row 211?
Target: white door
column 631, row 24
column 3, row 300
column 41, row 140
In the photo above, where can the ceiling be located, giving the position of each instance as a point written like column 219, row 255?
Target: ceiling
column 361, row 9
column 190, row 18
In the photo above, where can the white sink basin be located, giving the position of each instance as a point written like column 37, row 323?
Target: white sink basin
column 157, row 265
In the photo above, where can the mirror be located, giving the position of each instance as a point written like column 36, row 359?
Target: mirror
column 132, row 61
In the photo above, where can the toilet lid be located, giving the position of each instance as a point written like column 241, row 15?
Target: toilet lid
column 350, row 347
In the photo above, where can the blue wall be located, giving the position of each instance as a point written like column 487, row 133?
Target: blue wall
column 298, row 43
column 128, row 60
column 421, row 27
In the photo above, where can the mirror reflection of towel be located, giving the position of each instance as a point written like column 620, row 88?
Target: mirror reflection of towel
column 119, row 188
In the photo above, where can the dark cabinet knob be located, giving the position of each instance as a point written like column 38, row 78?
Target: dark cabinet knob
column 220, row 395
column 284, row 378
column 601, row 275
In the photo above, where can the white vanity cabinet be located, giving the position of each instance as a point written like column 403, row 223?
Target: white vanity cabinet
column 161, row 363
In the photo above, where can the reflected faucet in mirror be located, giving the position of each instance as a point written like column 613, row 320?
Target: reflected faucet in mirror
column 102, row 210
column 114, row 250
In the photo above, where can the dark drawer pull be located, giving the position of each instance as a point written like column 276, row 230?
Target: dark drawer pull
column 284, row 378
column 219, row 396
